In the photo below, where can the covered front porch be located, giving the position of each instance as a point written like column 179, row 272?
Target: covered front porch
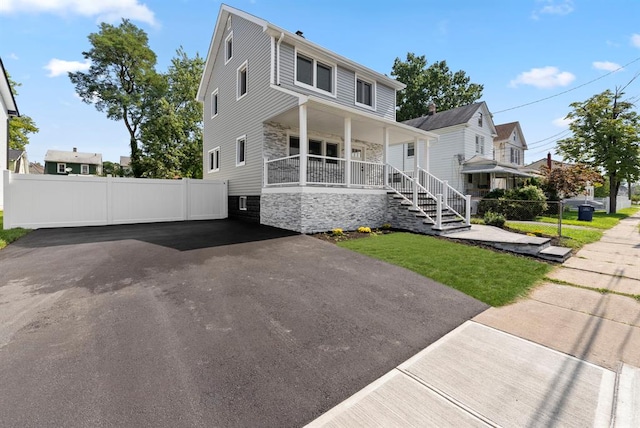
column 484, row 175
column 345, row 147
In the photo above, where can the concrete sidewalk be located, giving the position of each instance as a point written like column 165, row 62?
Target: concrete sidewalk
column 568, row 355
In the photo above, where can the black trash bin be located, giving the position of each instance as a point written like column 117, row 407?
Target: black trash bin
column 585, row 212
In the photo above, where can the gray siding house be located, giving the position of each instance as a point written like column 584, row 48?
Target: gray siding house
column 302, row 134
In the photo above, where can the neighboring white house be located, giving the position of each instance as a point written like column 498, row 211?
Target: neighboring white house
column 8, row 109
column 301, row 133
column 472, row 155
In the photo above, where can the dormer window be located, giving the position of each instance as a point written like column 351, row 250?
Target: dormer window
column 480, row 120
column 314, row 74
column 228, row 48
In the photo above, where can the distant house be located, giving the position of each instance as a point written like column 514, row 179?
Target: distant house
column 36, row 168
column 18, row 162
column 509, row 145
column 73, row 162
column 8, row 109
column 125, row 165
column 536, row 167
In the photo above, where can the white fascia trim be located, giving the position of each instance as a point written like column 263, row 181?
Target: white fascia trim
column 325, row 190
column 374, row 91
column 298, row 95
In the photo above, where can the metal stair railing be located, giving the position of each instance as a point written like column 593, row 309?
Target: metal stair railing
column 452, row 200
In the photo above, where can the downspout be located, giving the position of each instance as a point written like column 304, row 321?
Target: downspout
column 278, row 58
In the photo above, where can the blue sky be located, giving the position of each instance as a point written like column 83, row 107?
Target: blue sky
column 521, row 50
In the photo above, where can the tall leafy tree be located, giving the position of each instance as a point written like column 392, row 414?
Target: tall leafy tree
column 172, row 134
column 571, row 180
column 19, row 127
column 435, row 84
column 121, row 80
column 606, row 135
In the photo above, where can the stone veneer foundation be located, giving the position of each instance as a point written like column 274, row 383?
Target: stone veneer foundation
column 320, row 209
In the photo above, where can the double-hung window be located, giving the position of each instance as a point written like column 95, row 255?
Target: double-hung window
column 479, row 144
column 84, row 169
column 480, row 120
column 241, row 150
column 319, row 150
column 411, row 149
column 214, row 103
column 242, row 81
column 62, row 168
column 314, row 73
column 365, row 93
column 214, row 160
column 515, row 156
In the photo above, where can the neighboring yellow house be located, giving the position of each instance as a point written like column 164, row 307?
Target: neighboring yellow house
column 18, row 161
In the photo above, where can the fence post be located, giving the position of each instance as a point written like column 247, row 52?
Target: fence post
column 560, row 211
column 109, row 199
column 445, row 192
column 185, row 199
column 415, row 190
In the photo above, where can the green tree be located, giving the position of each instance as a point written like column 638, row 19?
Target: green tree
column 21, row 126
column 568, row 181
column 606, row 135
column 172, row 134
column 121, row 80
column 435, row 84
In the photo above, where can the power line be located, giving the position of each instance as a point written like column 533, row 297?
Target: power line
column 548, row 138
column 571, row 89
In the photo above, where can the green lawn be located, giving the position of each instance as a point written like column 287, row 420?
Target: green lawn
column 494, row 278
column 571, row 238
column 8, row 236
column 601, row 220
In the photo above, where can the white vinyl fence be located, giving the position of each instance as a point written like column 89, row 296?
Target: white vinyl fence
column 40, row 201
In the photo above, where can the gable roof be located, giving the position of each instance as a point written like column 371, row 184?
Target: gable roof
column 6, row 94
column 505, row 130
column 15, row 154
column 282, row 35
column 36, row 168
column 73, row 157
column 444, row 119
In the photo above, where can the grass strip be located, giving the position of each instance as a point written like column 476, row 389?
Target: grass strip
column 489, row 276
column 10, row 235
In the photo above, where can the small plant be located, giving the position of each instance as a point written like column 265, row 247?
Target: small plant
column 337, row 232
column 494, row 219
column 364, row 229
column 386, row 226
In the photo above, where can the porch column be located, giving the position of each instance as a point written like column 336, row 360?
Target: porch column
column 347, row 150
column 304, row 144
column 385, row 155
column 416, row 164
column 427, row 143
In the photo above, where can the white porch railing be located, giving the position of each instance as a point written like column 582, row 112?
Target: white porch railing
column 406, row 186
column 452, row 199
column 323, row 170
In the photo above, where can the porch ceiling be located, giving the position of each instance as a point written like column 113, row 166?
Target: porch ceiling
column 328, row 117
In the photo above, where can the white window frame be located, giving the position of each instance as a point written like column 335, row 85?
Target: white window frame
column 64, row 168
column 243, row 67
column 215, row 103
column 228, row 39
column 242, row 203
column 480, row 144
column 373, row 92
column 411, row 146
column 82, row 169
column 244, row 160
column 213, row 162
column 314, row 70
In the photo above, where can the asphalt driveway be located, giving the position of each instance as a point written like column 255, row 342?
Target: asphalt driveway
column 212, row 323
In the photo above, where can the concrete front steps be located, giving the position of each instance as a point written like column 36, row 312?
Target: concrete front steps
column 403, row 215
column 513, row 242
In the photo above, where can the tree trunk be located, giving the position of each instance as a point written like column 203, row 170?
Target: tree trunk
column 613, row 192
column 135, row 158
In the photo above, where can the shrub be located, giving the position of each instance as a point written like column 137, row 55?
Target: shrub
column 386, row 226
column 337, row 232
column 364, row 229
column 525, row 203
column 494, row 219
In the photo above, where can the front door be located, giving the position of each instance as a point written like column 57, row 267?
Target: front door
column 358, row 174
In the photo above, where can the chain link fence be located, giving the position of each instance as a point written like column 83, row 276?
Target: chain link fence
column 539, row 218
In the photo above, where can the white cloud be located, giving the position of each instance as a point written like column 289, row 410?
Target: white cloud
column 553, row 7
column 104, row 10
column 606, row 66
column 13, row 56
column 57, row 67
column 545, row 77
column 561, row 122
column 635, row 40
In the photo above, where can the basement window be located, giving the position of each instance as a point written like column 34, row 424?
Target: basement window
column 242, row 203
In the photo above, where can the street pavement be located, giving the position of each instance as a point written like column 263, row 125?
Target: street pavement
column 202, row 324
column 568, row 355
